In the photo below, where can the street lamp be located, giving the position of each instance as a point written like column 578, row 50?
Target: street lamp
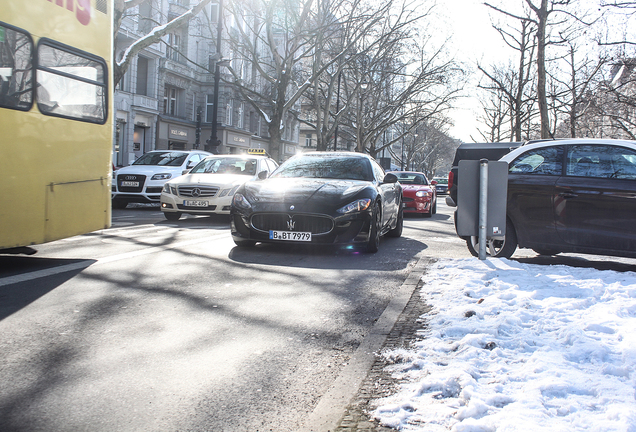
column 214, row 141
column 335, row 139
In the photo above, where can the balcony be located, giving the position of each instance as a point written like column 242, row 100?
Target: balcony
column 146, row 102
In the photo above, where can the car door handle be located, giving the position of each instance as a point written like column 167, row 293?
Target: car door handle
column 568, row 195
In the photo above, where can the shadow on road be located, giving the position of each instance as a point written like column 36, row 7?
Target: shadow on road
column 394, row 254
column 15, row 295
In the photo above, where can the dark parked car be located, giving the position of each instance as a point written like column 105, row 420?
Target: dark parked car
column 441, row 185
column 474, row 151
column 575, row 195
column 418, row 193
column 342, row 198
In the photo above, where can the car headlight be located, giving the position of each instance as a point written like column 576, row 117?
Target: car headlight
column 358, row 205
column 422, row 194
column 162, row 176
column 239, row 201
column 166, row 188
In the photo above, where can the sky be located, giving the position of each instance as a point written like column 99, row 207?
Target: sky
column 510, row 346
column 468, row 24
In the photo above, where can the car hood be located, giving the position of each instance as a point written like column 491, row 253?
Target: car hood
column 211, row 179
column 415, row 188
column 303, row 194
column 149, row 170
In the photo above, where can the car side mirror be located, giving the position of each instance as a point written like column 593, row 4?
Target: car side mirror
column 262, row 175
column 433, row 182
column 390, row 178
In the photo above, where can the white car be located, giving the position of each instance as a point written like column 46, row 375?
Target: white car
column 209, row 187
column 143, row 181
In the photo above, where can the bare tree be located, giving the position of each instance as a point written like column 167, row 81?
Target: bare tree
column 157, row 30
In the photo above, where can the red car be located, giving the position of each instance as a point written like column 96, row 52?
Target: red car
column 418, row 193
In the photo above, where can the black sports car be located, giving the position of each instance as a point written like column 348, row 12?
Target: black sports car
column 320, row 197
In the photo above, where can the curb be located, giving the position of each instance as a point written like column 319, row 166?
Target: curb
column 364, row 379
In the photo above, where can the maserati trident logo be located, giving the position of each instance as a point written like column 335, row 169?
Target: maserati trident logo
column 196, row 192
column 290, row 225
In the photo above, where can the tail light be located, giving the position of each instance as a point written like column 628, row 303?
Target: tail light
column 450, row 179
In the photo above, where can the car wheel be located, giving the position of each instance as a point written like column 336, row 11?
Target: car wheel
column 399, row 226
column 244, row 243
column 496, row 248
column 172, row 216
column 373, row 244
column 119, row 204
column 546, row 251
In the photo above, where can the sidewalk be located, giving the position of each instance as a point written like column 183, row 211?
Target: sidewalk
column 378, row 383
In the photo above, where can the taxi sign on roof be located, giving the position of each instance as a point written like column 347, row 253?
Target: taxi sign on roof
column 256, row 151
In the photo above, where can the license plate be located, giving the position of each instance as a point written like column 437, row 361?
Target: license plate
column 130, row 184
column 290, row 235
column 195, row 203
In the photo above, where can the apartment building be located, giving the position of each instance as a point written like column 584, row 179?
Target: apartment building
column 166, row 98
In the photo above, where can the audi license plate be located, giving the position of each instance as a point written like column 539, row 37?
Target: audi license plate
column 195, row 203
column 290, row 235
column 130, row 183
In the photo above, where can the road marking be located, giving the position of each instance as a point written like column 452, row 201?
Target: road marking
column 106, row 260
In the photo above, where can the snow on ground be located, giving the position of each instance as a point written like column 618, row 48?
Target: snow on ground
column 519, row 347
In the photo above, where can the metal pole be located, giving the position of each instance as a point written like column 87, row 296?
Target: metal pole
column 483, row 207
column 214, row 139
column 335, row 139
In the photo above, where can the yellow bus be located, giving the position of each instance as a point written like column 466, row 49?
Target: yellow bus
column 55, row 120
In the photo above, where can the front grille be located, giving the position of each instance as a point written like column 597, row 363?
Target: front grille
column 153, row 190
column 198, row 191
column 407, row 199
column 301, row 223
column 140, row 179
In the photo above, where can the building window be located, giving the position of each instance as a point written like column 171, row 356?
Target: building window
column 241, row 113
column 170, row 101
column 142, row 76
column 209, row 108
column 252, row 121
column 229, row 111
column 308, row 140
column 174, row 44
column 145, row 17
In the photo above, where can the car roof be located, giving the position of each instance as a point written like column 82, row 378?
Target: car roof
column 569, row 141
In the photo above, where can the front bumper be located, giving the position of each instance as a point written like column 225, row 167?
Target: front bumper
column 176, row 204
column 149, row 192
column 352, row 229
column 417, row 205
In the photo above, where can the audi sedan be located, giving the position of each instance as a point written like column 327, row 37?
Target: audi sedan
column 575, row 195
column 420, row 196
column 338, row 198
column 209, row 187
column 143, row 181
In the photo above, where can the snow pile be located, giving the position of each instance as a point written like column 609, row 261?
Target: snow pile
column 519, row 347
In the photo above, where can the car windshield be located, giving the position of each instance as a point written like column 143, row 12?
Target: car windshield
column 167, row 158
column 412, row 178
column 216, row 165
column 441, row 180
column 328, row 167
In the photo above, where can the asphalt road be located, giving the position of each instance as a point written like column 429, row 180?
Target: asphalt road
column 159, row 326
column 167, row 326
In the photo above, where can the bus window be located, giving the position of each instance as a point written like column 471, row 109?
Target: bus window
column 16, row 74
column 71, row 84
